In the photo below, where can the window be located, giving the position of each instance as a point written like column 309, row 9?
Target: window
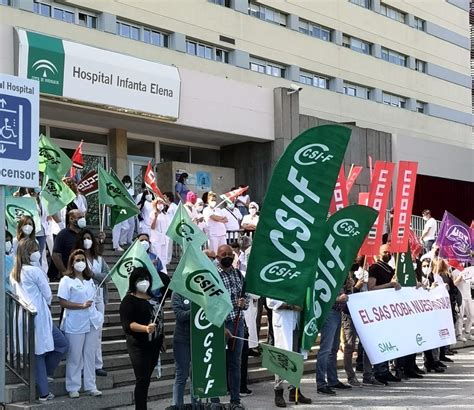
column 420, row 66
column 206, row 51
column 267, row 14
column 141, row 33
column 225, row 3
column 63, row 15
column 128, row 30
column 66, row 14
column 356, row 44
column 394, row 100
column 419, row 24
column 87, row 20
column 362, row 3
column 42, row 9
column 355, row 90
column 315, row 30
column 5, row 2
column 392, row 13
column 265, row 67
column 154, row 37
column 394, row 57
column 315, row 80
column 420, row 107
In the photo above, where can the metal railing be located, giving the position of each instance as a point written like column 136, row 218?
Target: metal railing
column 20, row 341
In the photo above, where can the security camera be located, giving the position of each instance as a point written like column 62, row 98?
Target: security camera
column 293, row 89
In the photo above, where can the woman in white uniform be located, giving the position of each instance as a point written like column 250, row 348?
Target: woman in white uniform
column 81, row 323
column 159, row 223
column 100, row 271
column 122, row 233
column 30, row 284
column 146, row 208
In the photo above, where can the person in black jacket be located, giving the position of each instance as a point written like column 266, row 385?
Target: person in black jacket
column 144, row 336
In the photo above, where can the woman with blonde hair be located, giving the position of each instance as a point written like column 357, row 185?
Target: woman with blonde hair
column 31, row 286
column 81, row 323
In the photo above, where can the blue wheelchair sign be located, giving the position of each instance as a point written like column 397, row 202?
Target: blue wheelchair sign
column 15, row 127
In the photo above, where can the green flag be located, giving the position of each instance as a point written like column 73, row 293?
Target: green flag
column 16, row 207
column 52, row 156
column 183, row 231
column 196, row 278
column 290, row 230
column 405, row 271
column 134, row 257
column 207, row 356
column 112, row 192
column 55, row 194
column 288, row 365
column 343, row 235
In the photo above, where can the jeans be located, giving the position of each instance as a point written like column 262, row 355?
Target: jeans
column 326, row 363
column 234, row 354
column 182, row 358
column 350, row 335
column 144, row 357
column 381, row 369
column 244, row 363
column 427, row 245
column 46, row 363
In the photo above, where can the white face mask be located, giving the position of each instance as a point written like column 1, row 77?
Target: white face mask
column 253, row 211
column 27, row 229
column 149, row 197
column 425, row 271
column 87, row 243
column 145, row 244
column 79, row 266
column 81, row 223
column 160, row 207
column 199, row 208
column 35, row 257
column 212, row 204
column 8, row 247
column 425, row 218
column 128, row 185
column 142, row 286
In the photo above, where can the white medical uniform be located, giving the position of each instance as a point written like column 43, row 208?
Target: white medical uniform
column 216, row 230
column 158, row 240
column 144, row 224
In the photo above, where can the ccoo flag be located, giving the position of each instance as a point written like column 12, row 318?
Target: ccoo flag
column 150, row 180
column 286, row 364
column 134, row 257
column 344, row 232
column 196, row 278
column 52, row 156
column 55, row 194
column 287, row 241
column 183, row 231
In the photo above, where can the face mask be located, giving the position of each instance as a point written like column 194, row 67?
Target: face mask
column 145, row 244
column 81, row 223
column 128, row 185
column 212, row 204
column 426, row 271
column 35, row 256
column 149, row 198
column 142, row 286
column 386, row 258
column 27, row 229
column 425, row 218
column 199, row 208
column 227, row 262
column 160, row 207
column 8, row 247
column 252, row 211
column 87, row 243
column 79, row 266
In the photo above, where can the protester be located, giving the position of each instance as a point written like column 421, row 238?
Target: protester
column 144, row 239
column 31, row 286
column 234, row 218
column 216, row 221
column 9, row 259
column 181, row 188
column 26, row 228
column 144, row 335
column 122, row 232
column 250, row 222
column 80, row 322
column 44, row 228
column 100, row 271
column 144, row 204
column 428, row 235
column 199, row 216
column 463, row 280
column 242, row 202
column 159, row 223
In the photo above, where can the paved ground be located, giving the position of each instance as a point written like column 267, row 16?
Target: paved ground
column 452, row 389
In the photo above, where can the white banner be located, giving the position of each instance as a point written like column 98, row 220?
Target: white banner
column 393, row 323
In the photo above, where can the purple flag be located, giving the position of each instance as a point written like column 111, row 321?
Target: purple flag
column 455, row 240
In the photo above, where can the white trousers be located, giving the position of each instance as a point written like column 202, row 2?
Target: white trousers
column 467, row 309
column 216, row 241
column 81, row 357
column 122, row 233
column 99, row 304
column 251, row 321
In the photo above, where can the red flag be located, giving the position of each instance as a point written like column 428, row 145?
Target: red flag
column 416, row 246
column 339, row 198
column 150, row 180
column 77, row 160
column 406, row 181
column 351, row 178
column 363, row 198
column 230, row 196
column 378, row 199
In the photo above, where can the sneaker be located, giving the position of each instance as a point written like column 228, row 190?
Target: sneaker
column 341, row 386
column 50, row 379
column 461, row 338
column 94, row 393
column 100, row 372
column 119, row 249
column 354, row 382
column 50, row 396
column 246, row 392
column 372, row 382
column 469, row 337
column 74, row 394
column 236, row 406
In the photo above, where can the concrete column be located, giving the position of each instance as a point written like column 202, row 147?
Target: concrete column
column 287, row 125
column 411, row 62
column 26, row 5
column 241, row 6
column 178, row 42
column 336, row 84
column 107, row 22
column 293, row 22
column 293, row 73
column 376, row 95
column 377, row 50
column 239, row 58
column 337, row 37
column 118, row 151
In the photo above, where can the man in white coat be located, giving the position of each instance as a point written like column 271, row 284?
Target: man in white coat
column 285, row 329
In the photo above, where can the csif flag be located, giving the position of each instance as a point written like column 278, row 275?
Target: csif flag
column 112, row 192
column 378, row 199
column 197, row 279
column 230, row 197
column 403, row 205
column 150, row 180
column 18, row 206
column 183, row 231
column 343, row 234
column 285, row 363
column 134, row 257
column 339, row 199
column 288, row 236
column 352, row 177
column 52, row 156
column 55, row 194
column 405, row 271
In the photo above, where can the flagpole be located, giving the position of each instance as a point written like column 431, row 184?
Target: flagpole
column 161, row 304
column 396, row 265
column 103, row 219
column 350, row 171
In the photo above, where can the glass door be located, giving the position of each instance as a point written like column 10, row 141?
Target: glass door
column 137, row 168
